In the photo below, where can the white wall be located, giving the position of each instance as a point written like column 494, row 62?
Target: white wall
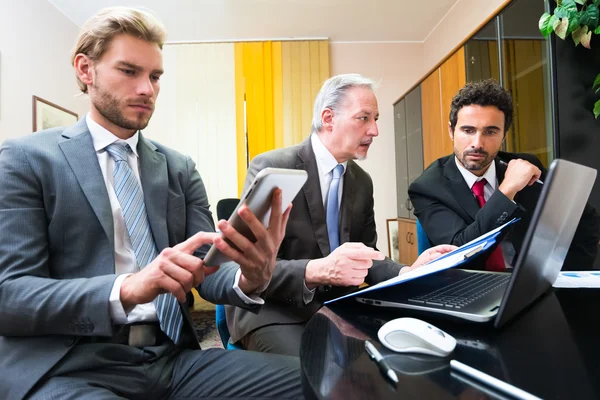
column 396, row 67
column 35, row 44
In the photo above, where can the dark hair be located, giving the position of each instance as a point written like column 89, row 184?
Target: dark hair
column 483, row 93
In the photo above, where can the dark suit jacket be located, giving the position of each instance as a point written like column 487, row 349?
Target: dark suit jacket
column 449, row 213
column 56, row 244
column 306, row 239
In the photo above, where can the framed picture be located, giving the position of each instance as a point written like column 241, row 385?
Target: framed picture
column 49, row 115
column 392, row 232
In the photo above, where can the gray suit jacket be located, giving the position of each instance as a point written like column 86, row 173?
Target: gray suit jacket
column 306, row 239
column 57, row 250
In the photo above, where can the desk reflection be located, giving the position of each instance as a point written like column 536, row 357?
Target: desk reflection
column 541, row 352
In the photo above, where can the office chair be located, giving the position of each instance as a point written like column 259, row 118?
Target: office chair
column 423, row 242
column 225, row 208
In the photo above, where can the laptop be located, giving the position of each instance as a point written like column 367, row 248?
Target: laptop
column 482, row 296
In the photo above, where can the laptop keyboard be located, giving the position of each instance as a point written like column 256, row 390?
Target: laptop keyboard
column 464, row 292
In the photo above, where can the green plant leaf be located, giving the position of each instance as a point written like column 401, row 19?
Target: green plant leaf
column 560, row 12
column 544, row 25
column 586, row 39
column 555, row 21
column 591, row 15
column 596, row 82
column 573, row 24
column 597, row 31
column 568, row 4
column 561, row 28
column 597, row 109
column 577, row 34
column 582, row 2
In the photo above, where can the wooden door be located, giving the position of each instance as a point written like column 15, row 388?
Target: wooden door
column 452, row 77
column 407, row 241
column 437, row 91
column 431, row 111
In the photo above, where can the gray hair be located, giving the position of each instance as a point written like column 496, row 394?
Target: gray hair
column 333, row 93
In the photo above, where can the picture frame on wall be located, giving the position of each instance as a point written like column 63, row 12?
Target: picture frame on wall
column 392, row 233
column 49, row 115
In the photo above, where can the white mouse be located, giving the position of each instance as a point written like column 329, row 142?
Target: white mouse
column 411, row 335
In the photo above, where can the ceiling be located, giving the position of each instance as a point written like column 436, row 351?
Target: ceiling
column 338, row 20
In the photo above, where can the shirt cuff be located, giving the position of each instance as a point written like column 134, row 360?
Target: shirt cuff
column 117, row 312
column 307, row 294
column 253, row 298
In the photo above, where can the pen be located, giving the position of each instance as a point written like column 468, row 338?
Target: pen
column 506, row 165
column 491, row 381
column 376, row 356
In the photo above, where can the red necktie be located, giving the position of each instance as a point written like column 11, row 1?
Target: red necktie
column 495, row 261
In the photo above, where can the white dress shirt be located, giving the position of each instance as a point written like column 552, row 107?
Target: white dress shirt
column 326, row 162
column 125, row 263
column 490, row 176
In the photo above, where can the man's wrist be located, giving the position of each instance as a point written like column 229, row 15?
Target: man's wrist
column 126, row 300
column 247, row 286
column 508, row 192
column 313, row 273
column 405, row 269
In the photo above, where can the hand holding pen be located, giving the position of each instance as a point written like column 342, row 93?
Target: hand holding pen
column 519, row 173
column 502, row 162
column 383, row 366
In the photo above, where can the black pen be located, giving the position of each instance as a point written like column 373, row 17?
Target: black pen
column 376, row 356
column 506, row 165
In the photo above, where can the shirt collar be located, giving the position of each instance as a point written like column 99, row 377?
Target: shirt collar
column 102, row 137
column 471, row 178
column 324, row 158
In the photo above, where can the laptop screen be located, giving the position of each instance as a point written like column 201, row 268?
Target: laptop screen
column 549, row 235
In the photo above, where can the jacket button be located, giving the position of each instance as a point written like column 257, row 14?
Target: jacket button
column 327, row 288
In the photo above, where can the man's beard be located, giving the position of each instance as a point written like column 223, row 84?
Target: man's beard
column 474, row 165
column 108, row 106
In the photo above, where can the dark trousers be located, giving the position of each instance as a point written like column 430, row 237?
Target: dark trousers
column 112, row 371
column 276, row 339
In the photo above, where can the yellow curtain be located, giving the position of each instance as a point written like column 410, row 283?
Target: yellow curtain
column 276, row 84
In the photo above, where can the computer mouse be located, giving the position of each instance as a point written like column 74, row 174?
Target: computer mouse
column 411, row 335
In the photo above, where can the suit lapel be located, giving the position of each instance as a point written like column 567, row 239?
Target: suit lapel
column 348, row 193
column 457, row 185
column 78, row 149
column 154, row 178
column 312, row 193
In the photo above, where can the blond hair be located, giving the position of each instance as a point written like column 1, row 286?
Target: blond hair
column 98, row 31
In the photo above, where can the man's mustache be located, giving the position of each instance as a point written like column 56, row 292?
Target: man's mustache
column 476, row 151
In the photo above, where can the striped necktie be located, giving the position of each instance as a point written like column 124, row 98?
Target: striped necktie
column 130, row 196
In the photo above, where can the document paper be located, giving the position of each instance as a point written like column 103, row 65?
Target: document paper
column 578, row 279
column 449, row 260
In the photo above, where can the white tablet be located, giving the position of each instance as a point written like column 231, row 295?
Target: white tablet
column 258, row 198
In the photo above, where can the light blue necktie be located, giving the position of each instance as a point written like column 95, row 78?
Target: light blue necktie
column 333, row 208
column 131, row 198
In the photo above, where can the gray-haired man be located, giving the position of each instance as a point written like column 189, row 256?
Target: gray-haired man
column 329, row 245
